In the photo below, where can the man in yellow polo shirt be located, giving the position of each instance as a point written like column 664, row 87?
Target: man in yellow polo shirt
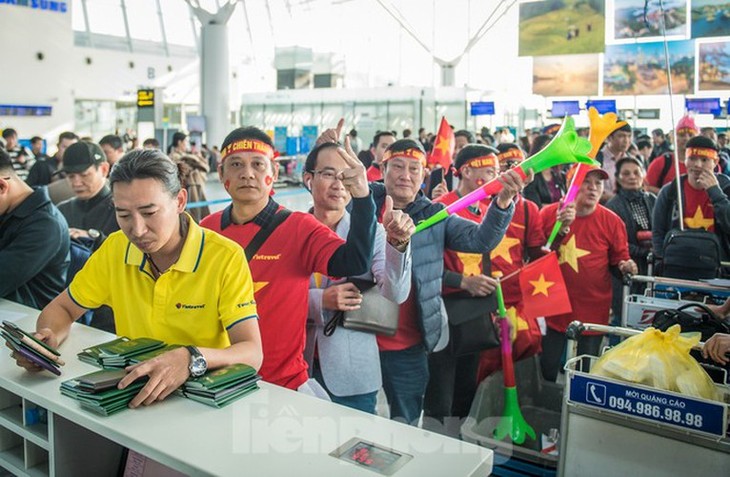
column 165, row 278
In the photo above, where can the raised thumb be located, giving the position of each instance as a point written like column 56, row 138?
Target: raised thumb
column 388, row 208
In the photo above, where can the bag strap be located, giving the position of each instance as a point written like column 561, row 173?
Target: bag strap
column 703, row 307
column 262, row 235
column 668, row 160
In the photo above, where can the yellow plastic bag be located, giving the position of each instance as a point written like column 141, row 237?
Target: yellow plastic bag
column 661, row 360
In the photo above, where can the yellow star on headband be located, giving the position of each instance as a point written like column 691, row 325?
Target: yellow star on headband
column 541, row 286
column 471, row 262
column 503, row 249
column 570, row 254
column 699, row 221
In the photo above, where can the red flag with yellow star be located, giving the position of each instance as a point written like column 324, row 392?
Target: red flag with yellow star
column 543, row 288
column 443, row 147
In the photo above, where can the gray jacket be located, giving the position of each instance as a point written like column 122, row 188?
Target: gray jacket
column 428, row 246
column 349, row 359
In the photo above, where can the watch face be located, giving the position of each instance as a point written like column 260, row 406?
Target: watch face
column 198, row 367
column 93, row 233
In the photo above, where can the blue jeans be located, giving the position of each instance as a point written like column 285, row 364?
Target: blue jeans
column 405, row 376
column 362, row 402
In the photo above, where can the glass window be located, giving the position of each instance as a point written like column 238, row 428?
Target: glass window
column 178, row 27
column 144, row 22
column 105, row 17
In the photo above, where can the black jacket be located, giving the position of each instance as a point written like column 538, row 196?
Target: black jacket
column 95, row 213
column 620, row 205
column 34, row 251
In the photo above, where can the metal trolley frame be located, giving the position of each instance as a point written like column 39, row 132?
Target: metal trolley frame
column 638, row 310
column 610, row 427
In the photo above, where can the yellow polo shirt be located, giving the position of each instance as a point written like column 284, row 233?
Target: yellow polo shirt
column 206, row 292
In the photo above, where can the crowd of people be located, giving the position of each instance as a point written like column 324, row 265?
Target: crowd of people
column 259, row 284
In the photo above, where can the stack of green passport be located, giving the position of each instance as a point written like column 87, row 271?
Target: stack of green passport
column 120, row 352
column 222, row 386
column 97, row 391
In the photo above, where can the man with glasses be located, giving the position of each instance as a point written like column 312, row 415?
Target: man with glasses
column 347, row 363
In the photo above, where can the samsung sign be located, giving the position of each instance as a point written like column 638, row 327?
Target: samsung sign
column 50, row 5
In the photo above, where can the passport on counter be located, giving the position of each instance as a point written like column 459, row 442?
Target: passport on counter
column 31, row 348
column 120, row 352
column 98, row 391
column 222, row 386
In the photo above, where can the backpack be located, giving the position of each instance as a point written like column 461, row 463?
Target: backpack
column 668, row 163
column 691, row 254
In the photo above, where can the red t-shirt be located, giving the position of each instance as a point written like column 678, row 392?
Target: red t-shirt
column 655, row 171
column 281, row 270
column 508, row 256
column 698, row 211
column 374, row 174
column 468, row 264
column 594, row 242
column 408, row 333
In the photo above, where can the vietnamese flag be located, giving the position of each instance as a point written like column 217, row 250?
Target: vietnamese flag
column 543, row 288
column 443, row 148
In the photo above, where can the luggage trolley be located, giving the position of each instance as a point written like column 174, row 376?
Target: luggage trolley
column 610, row 427
column 666, row 293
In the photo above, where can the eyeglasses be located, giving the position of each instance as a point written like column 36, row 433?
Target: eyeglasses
column 329, row 175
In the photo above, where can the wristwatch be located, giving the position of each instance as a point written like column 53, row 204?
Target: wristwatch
column 93, row 234
column 198, row 365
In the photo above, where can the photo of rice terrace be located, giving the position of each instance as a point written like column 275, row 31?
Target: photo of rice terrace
column 641, row 68
column 632, row 21
column 559, row 27
column 714, row 69
column 710, row 18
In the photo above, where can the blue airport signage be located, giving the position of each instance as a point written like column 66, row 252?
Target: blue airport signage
column 24, row 110
column 565, row 108
column 603, row 106
column 482, row 108
column 48, row 5
column 703, row 105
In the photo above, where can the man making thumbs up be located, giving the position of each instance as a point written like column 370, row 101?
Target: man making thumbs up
column 347, row 363
column 292, row 245
column 422, row 326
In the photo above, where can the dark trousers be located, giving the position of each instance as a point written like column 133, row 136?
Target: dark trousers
column 405, row 375
column 553, row 351
column 450, row 392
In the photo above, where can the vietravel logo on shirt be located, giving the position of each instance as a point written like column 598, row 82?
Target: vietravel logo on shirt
column 50, row 5
column 186, row 306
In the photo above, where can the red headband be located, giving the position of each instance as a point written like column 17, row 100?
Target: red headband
column 687, row 130
column 490, row 160
column 247, row 145
column 411, row 153
column 513, row 153
column 702, row 152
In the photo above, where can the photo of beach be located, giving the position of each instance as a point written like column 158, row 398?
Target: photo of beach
column 640, row 68
column 710, row 18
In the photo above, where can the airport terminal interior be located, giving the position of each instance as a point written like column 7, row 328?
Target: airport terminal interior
column 365, row 237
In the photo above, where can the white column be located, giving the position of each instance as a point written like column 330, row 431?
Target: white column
column 214, row 70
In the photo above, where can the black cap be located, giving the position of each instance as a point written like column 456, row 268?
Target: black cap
column 82, row 155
